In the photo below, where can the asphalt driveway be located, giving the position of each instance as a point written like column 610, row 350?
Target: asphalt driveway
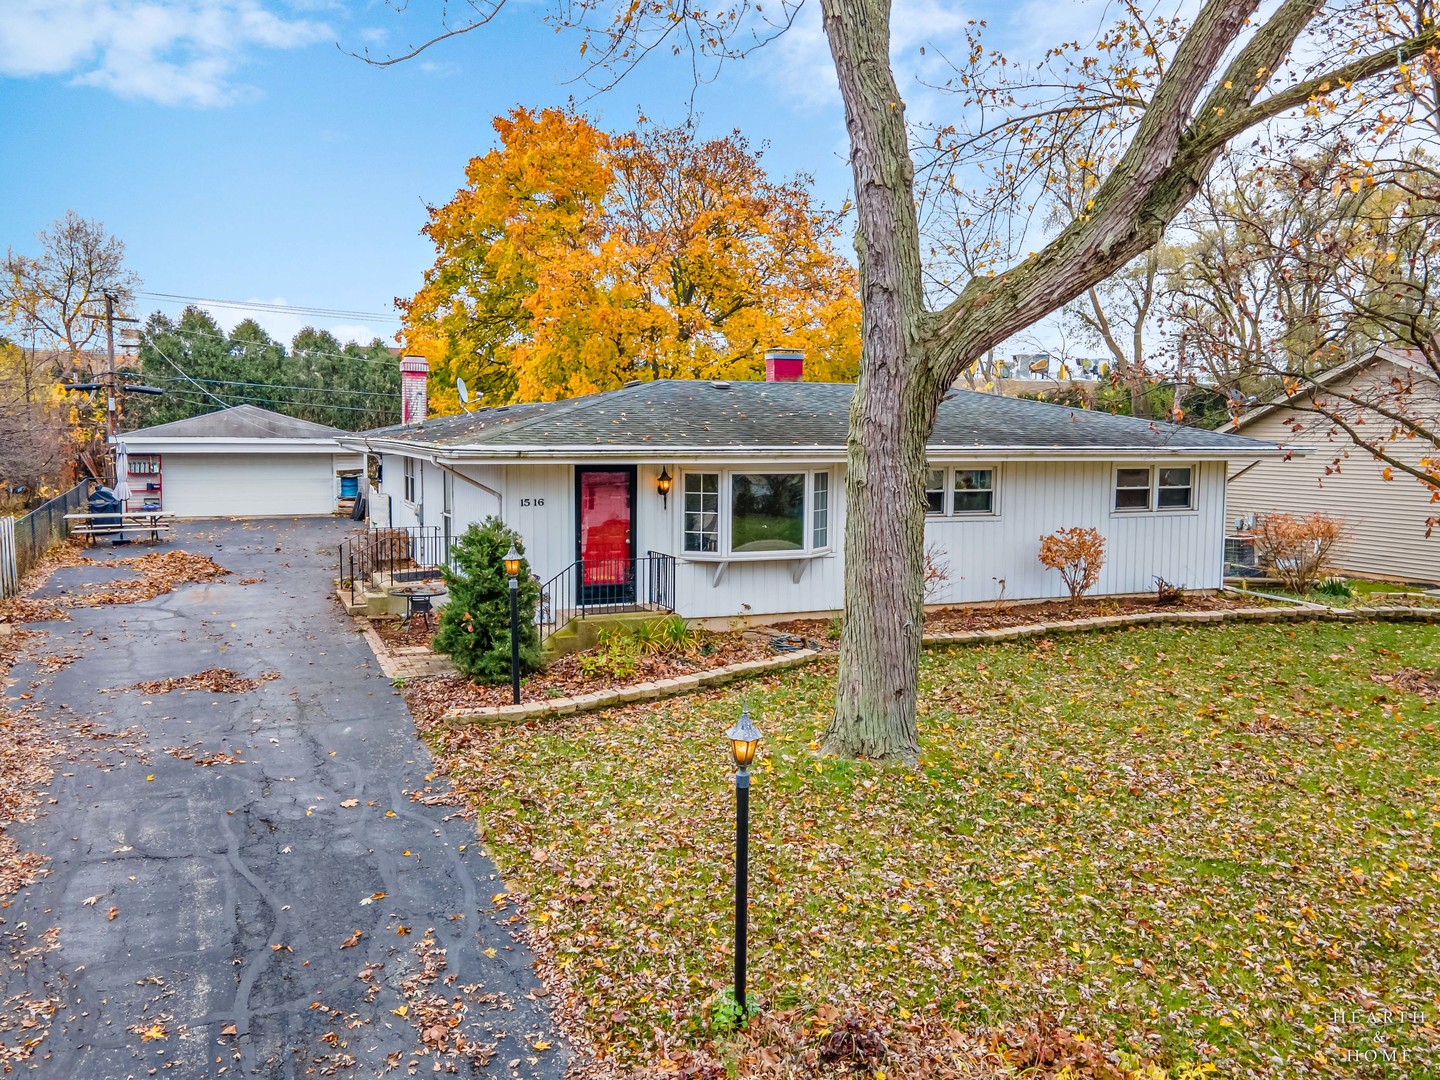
column 205, row 874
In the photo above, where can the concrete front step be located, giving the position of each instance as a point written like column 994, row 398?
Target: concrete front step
column 583, row 632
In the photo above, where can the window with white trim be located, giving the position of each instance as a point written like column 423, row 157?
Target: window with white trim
column 1132, row 489
column 742, row 512
column 974, row 491
column 412, row 485
column 820, row 510
column 702, row 512
column 1166, row 487
column 934, row 491
column 1174, row 489
column 961, row 491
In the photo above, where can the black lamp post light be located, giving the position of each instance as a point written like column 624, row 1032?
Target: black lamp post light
column 512, row 569
column 744, row 743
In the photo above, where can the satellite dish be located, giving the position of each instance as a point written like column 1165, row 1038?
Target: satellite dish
column 464, row 392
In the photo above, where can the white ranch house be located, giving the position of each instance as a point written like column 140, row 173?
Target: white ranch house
column 753, row 522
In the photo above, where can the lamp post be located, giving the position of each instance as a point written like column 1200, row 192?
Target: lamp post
column 744, row 742
column 512, row 568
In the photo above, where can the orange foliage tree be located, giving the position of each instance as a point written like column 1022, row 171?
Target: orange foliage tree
column 574, row 261
column 1296, row 549
column 1079, row 554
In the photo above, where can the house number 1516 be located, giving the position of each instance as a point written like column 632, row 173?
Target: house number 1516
column 532, row 502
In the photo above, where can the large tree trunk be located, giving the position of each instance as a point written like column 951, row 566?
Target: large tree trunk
column 893, row 409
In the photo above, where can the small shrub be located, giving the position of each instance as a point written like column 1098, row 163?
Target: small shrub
column 854, row 1041
column 1079, row 554
column 937, row 572
column 616, row 655
column 834, row 628
column 1166, row 593
column 726, row 1014
column 1336, row 587
column 475, row 621
column 1296, row 549
column 675, row 635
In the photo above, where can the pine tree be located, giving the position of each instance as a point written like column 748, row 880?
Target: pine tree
column 475, row 621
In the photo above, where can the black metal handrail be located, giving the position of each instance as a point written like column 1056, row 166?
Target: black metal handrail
column 409, row 553
column 644, row 583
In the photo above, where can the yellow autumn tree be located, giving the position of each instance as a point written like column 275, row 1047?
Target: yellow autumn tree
column 574, row 261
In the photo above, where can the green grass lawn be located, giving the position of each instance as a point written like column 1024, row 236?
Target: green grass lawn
column 1191, row 845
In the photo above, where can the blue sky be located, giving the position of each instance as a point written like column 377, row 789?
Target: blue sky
column 241, row 155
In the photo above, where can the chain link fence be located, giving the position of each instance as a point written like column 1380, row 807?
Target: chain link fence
column 23, row 540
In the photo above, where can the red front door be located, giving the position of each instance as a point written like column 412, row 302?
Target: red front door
column 606, row 522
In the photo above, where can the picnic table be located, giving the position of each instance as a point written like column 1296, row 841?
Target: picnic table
column 91, row 525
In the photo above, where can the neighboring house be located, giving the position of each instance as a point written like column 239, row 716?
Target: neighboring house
column 239, row 462
column 1385, row 519
column 754, row 517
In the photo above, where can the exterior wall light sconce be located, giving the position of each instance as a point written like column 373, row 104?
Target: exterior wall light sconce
column 663, row 484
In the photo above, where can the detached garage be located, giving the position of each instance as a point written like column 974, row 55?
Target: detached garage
column 239, row 462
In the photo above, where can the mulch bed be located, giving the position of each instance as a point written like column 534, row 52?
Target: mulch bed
column 430, row 696
column 399, row 633
column 954, row 620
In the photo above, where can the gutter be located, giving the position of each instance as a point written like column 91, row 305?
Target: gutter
column 683, row 454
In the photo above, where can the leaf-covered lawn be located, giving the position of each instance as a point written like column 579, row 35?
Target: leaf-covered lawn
column 1212, row 844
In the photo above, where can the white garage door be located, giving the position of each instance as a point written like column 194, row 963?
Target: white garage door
column 248, row 485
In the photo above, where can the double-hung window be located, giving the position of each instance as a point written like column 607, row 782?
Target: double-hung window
column 412, row 482
column 974, row 491
column 1167, row 487
column 756, row 513
column 702, row 512
column 960, row 491
column 820, row 510
column 934, row 491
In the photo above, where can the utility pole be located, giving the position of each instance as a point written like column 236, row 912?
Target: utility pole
column 110, row 368
column 111, row 384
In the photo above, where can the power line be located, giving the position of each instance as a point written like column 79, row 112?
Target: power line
column 190, row 395
column 181, row 331
column 287, row 309
column 283, row 386
column 178, row 368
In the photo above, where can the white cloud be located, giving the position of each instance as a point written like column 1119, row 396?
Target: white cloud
column 175, row 52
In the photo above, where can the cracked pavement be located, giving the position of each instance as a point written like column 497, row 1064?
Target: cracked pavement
column 234, row 885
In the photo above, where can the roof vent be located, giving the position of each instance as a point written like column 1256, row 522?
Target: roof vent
column 633, row 382
column 720, row 384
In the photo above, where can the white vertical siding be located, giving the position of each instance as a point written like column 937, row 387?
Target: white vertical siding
column 548, row 521
column 1034, row 499
column 1037, row 498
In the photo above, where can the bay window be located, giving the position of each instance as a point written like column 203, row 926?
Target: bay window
column 760, row 513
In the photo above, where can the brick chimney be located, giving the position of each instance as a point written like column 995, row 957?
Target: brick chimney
column 784, row 365
column 414, row 400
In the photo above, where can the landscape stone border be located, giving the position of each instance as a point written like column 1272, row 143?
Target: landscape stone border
column 624, row 695
column 687, row 684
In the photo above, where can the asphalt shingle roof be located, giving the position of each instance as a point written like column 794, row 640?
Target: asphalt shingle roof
column 676, row 413
column 237, row 422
